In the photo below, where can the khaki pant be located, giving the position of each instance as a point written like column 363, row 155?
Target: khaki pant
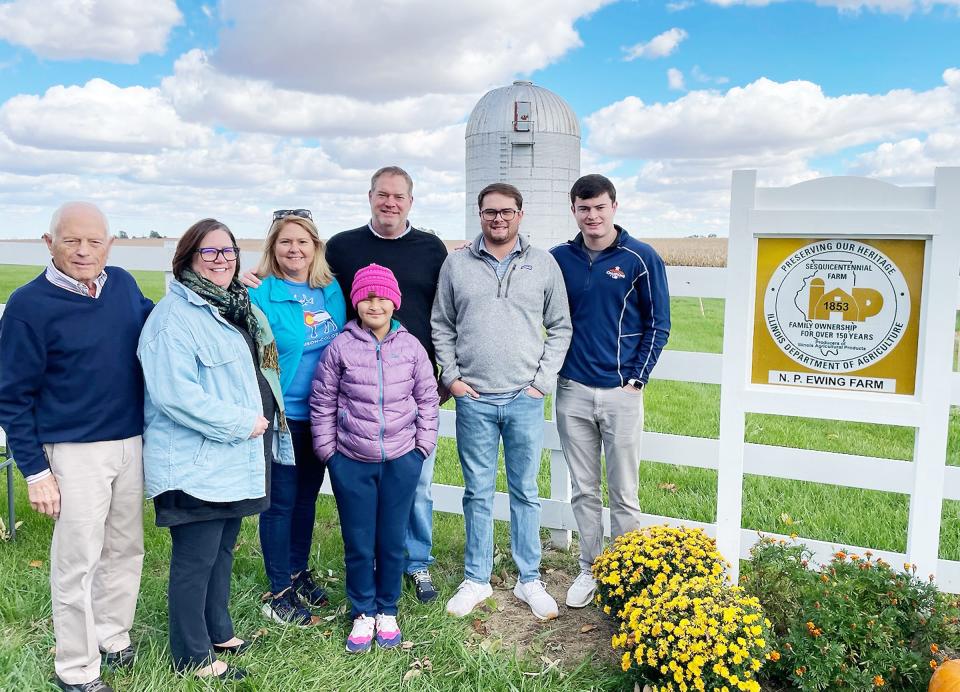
column 97, row 551
column 588, row 417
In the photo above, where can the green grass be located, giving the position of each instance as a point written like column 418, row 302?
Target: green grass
column 12, row 276
column 288, row 659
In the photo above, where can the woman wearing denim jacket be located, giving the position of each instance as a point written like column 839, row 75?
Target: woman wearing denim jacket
column 306, row 310
column 213, row 414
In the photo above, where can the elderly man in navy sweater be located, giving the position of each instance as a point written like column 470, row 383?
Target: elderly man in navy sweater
column 71, row 403
column 620, row 309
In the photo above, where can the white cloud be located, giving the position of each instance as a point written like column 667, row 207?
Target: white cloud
column 98, row 116
column 903, row 7
column 680, row 6
column 686, row 149
column 659, row 46
column 675, row 80
column 702, row 77
column 174, row 179
column 764, row 117
column 202, row 93
column 386, row 50
column 913, row 159
column 115, row 30
column 237, row 179
column 441, row 149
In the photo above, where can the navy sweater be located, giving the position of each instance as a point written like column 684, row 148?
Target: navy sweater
column 68, row 366
column 620, row 309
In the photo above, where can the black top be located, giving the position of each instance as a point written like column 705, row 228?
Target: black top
column 175, row 507
column 415, row 259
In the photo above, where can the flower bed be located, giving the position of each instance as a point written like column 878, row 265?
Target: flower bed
column 855, row 623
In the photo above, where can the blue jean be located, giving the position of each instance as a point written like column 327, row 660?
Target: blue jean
column 286, row 527
column 419, row 539
column 480, row 427
column 373, row 501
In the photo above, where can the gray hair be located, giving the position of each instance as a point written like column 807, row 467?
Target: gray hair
column 57, row 218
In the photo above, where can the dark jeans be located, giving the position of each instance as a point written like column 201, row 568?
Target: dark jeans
column 374, row 501
column 199, row 591
column 286, row 528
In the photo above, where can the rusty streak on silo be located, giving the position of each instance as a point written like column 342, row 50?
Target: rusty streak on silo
column 527, row 136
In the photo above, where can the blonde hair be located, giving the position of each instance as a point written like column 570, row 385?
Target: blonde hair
column 318, row 274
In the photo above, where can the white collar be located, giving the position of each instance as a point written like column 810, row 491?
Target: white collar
column 396, row 237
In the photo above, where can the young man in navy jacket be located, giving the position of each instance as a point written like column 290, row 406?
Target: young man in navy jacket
column 620, row 309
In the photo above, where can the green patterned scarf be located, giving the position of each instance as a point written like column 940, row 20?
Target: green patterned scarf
column 233, row 304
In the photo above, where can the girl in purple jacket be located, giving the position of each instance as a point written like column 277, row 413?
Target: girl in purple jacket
column 373, row 414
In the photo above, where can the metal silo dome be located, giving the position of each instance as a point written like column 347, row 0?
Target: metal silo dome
column 496, row 111
column 530, row 137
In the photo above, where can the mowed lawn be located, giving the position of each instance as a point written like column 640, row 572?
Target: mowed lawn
column 458, row 659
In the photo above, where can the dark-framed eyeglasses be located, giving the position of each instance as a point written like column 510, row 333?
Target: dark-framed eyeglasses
column 210, row 254
column 302, row 213
column 505, row 214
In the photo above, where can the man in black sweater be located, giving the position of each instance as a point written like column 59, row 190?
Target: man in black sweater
column 415, row 258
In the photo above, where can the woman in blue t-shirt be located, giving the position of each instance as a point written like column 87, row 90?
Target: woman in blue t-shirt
column 305, row 307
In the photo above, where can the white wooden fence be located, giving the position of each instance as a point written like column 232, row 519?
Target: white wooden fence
column 780, row 462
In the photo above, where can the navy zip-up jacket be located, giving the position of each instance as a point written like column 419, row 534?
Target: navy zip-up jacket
column 620, row 309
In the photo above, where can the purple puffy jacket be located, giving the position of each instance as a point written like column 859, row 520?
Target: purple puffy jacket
column 373, row 402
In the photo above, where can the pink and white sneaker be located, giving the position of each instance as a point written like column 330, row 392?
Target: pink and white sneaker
column 361, row 636
column 388, row 632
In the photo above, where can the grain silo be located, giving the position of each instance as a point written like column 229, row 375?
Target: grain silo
column 529, row 137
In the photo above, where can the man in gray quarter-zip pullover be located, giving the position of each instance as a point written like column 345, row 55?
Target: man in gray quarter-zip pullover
column 501, row 327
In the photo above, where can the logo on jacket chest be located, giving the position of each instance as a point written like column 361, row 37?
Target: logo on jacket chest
column 616, row 273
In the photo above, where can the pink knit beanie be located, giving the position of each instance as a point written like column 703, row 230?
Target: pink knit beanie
column 377, row 280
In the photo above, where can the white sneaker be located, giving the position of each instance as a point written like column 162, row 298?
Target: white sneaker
column 581, row 591
column 469, row 595
column 361, row 636
column 534, row 594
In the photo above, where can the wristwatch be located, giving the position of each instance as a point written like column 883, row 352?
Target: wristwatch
column 636, row 384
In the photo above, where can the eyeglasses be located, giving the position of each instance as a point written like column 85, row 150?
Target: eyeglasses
column 210, row 254
column 505, row 214
column 302, row 213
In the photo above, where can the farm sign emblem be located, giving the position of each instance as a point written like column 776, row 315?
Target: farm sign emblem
column 837, row 313
column 837, row 305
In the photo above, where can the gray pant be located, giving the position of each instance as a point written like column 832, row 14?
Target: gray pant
column 586, row 418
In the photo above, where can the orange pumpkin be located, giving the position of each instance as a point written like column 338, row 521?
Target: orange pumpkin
column 947, row 677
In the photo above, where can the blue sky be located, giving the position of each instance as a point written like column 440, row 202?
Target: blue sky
column 164, row 112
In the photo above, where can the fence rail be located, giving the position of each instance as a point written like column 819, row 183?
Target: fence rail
column 869, row 473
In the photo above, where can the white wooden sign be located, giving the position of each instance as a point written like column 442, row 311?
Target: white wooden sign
column 841, row 306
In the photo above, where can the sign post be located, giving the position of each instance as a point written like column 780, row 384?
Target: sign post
column 836, row 310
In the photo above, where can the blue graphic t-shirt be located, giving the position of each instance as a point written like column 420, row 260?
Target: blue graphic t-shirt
column 319, row 330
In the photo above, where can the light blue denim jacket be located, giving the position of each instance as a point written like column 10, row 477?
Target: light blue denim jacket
column 201, row 403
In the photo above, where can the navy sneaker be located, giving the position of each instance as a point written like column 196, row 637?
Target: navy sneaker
column 119, row 659
column 97, row 685
column 287, row 609
column 309, row 591
column 426, row 591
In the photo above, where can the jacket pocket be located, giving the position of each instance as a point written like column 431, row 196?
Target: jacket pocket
column 202, row 452
column 214, row 355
